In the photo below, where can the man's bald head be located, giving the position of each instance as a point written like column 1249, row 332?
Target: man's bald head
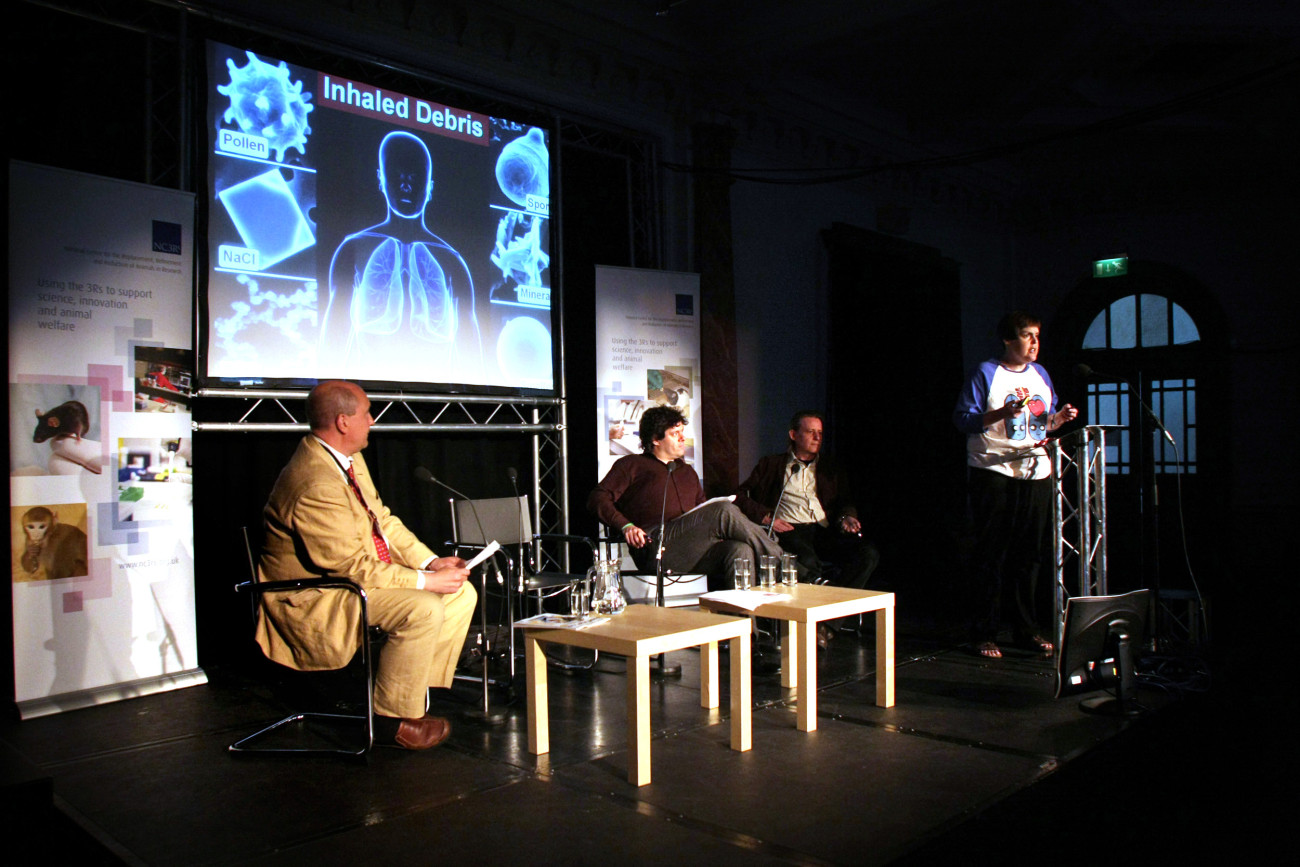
column 329, row 400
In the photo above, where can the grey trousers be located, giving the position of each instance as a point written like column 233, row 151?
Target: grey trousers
column 708, row 540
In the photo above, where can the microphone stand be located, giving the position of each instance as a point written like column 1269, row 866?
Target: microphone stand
column 510, row 599
column 1086, row 371
column 771, row 525
column 486, row 715
column 666, row 669
column 1155, row 522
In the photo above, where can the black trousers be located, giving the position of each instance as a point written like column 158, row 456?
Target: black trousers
column 1011, row 575
column 843, row 559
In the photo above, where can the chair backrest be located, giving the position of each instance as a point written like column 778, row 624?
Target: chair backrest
column 505, row 519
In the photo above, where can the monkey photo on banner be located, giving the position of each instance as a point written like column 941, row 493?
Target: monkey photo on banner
column 49, row 542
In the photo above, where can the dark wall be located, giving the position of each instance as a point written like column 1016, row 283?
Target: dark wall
column 595, row 224
column 895, row 356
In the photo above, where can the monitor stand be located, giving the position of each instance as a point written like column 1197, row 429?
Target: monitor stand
column 1124, row 703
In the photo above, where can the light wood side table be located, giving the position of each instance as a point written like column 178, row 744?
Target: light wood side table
column 638, row 633
column 808, row 605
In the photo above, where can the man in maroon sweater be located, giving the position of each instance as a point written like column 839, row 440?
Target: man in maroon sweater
column 649, row 498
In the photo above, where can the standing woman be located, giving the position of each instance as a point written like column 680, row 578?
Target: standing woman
column 1006, row 411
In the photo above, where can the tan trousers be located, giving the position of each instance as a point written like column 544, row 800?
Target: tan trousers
column 425, row 634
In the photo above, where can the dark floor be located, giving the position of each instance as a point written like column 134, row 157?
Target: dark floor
column 977, row 763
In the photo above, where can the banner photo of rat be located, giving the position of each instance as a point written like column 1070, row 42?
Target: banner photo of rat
column 101, row 375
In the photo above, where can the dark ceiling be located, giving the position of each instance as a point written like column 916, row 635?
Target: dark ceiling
column 1001, row 79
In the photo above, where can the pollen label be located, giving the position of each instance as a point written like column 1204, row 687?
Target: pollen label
column 243, row 144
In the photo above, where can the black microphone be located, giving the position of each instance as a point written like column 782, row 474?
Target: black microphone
column 1085, row 372
column 424, row 475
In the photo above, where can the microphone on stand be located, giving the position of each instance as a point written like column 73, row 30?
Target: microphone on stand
column 485, row 715
column 771, row 526
column 659, row 555
column 523, row 531
column 424, row 475
column 1083, row 371
column 666, row 669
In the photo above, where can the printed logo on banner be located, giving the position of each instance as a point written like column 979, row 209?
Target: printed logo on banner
column 685, row 305
column 166, row 237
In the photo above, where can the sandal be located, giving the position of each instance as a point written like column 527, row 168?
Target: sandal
column 1040, row 644
column 988, row 650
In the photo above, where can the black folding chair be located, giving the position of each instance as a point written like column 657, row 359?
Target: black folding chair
column 361, row 728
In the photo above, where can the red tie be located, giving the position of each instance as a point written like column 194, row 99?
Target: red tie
column 381, row 547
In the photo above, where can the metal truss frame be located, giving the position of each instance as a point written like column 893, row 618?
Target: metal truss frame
column 1079, row 516
column 542, row 417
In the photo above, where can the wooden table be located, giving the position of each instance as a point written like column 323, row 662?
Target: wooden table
column 809, row 605
column 638, row 633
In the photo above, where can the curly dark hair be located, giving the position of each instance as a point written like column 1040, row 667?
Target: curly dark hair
column 655, row 422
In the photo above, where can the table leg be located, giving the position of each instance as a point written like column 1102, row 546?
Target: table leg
column 806, row 649
column 538, row 703
column 789, row 653
column 885, row 657
column 741, row 695
column 709, row 675
column 638, row 720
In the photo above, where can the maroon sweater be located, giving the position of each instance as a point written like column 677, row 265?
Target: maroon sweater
column 633, row 492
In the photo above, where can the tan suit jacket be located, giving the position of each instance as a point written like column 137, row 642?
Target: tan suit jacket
column 316, row 527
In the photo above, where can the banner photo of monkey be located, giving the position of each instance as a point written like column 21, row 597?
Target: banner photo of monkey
column 48, row 542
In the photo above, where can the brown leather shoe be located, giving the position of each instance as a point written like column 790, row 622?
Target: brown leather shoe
column 423, row 733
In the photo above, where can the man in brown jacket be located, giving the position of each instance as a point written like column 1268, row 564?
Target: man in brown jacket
column 325, row 518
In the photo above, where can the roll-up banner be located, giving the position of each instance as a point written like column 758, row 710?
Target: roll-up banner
column 647, row 353
column 101, row 369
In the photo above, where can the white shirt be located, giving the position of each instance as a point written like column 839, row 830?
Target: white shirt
column 799, row 503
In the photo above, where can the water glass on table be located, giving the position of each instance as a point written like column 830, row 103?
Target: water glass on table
column 789, row 571
column 579, row 597
column 767, row 571
column 742, row 572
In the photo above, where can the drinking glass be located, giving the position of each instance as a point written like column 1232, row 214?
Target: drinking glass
column 767, row 570
column 743, row 573
column 579, row 597
column 789, row 572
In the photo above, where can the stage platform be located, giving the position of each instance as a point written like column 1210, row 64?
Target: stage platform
column 976, row 763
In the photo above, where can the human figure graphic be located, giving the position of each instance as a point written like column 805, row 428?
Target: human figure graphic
column 396, row 286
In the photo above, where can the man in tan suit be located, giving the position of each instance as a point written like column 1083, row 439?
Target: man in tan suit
column 320, row 522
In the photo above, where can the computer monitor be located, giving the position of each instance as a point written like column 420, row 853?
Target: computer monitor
column 1099, row 644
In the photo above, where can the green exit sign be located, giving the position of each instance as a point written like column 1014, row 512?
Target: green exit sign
column 1110, row 267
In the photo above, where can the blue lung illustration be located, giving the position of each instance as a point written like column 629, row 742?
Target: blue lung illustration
column 1015, row 424
column 1037, row 411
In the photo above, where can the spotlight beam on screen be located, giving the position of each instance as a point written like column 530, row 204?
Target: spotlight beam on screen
column 360, row 232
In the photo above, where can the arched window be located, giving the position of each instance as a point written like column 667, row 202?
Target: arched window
column 1141, row 320
column 1157, row 334
column 1144, row 322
